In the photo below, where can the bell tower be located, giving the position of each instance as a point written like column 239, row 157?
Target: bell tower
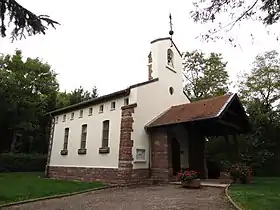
column 165, row 61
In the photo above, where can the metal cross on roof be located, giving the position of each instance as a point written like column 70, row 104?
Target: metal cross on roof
column 171, row 32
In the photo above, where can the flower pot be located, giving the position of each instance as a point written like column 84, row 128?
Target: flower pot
column 194, row 183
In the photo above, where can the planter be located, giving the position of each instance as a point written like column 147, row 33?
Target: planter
column 195, row 183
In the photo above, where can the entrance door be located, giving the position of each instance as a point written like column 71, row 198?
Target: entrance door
column 176, row 156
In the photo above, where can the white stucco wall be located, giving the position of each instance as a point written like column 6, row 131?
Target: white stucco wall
column 94, row 137
column 154, row 98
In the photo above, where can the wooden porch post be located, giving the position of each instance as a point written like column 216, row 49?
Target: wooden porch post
column 197, row 152
column 236, row 145
column 228, row 148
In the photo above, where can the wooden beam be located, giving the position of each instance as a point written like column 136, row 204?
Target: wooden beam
column 229, row 124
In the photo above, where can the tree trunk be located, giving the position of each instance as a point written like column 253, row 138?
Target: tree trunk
column 14, row 141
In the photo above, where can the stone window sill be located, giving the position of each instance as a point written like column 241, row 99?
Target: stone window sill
column 64, row 152
column 104, row 150
column 140, row 161
column 82, row 151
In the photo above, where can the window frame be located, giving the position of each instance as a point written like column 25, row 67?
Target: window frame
column 83, row 137
column 90, row 111
column 64, row 118
column 66, row 138
column 170, row 59
column 72, row 115
column 101, row 110
column 81, row 113
column 113, row 108
column 105, row 133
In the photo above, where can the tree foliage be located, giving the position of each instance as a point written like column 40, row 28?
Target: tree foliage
column 205, row 11
column 28, row 90
column 25, row 21
column 259, row 91
column 205, row 76
column 263, row 82
column 79, row 94
column 75, row 96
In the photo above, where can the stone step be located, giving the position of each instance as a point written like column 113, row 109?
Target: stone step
column 205, row 184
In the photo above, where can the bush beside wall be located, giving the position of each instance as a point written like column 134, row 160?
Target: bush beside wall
column 22, row 162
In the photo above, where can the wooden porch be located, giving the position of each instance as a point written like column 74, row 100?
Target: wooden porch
column 192, row 123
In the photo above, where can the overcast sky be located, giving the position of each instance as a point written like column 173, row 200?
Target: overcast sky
column 106, row 43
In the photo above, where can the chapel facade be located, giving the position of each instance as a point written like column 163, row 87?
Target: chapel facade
column 105, row 138
column 146, row 132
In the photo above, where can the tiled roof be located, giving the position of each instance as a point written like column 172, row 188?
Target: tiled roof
column 199, row 110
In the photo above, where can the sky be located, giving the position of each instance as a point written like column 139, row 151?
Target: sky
column 106, row 43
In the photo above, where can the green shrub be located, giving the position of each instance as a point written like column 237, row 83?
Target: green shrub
column 22, row 162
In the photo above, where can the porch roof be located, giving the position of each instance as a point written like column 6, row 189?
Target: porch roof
column 226, row 110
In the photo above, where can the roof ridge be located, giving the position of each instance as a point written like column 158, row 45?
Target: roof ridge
column 208, row 99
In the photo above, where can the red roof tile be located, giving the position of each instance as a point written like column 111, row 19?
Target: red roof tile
column 199, row 110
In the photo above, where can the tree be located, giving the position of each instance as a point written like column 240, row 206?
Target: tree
column 62, row 100
column 238, row 10
column 76, row 96
column 27, row 91
column 259, row 90
column 205, row 76
column 25, row 22
column 263, row 82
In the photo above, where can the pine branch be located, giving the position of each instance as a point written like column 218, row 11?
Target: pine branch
column 25, row 22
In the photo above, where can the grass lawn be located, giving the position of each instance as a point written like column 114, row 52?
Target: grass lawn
column 23, row 186
column 262, row 194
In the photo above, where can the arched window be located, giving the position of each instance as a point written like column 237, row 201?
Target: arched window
column 150, row 60
column 105, row 134
column 66, row 137
column 170, row 58
column 84, row 136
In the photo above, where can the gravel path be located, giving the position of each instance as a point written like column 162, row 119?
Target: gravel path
column 136, row 198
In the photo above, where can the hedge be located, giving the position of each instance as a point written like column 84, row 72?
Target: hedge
column 22, row 162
